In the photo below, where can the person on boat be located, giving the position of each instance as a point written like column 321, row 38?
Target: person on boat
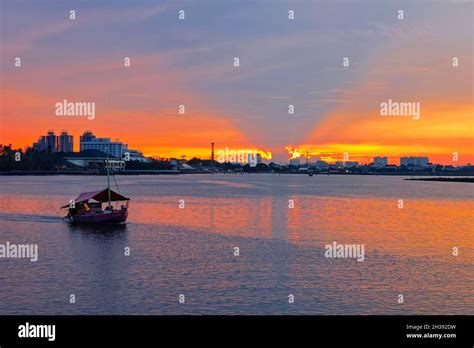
column 71, row 212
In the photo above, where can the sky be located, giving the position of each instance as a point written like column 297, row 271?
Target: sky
column 283, row 62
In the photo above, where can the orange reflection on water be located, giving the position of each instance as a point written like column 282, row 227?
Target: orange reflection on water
column 228, row 216
column 422, row 227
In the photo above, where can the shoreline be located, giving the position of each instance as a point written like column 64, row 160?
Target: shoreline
column 447, row 177
column 441, row 179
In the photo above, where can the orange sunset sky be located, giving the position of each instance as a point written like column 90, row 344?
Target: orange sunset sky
column 282, row 62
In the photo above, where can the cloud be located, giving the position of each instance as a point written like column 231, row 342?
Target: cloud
column 85, row 19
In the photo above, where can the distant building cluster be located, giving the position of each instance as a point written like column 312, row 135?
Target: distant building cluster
column 414, row 161
column 87, row 141
column 295, row 162
column 347, row 164
column 57, row 143
column 378, row 162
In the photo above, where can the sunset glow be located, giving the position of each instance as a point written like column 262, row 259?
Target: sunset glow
column 232, row 107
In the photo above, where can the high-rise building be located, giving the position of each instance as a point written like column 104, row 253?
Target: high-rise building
column 51, row 141
column 414, row 161
column 65, row 142
column 117, row 149
column 87, row 136
column 380, row 161
column 89, row 141
column 45, row 142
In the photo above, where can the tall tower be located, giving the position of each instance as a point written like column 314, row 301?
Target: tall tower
column 212, row 154
column 51, row 141
column 65, row 142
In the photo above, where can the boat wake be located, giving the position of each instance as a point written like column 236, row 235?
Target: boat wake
column 31, row 218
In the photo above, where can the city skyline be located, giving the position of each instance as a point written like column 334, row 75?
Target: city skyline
column 87, row 136
column 302, row 156
column 282, row 62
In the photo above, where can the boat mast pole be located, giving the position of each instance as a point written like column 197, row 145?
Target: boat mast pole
column 108, row 179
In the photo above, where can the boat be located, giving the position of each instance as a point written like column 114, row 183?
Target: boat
column 87, row 208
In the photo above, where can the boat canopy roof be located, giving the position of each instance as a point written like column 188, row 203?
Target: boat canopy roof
column 100, row 196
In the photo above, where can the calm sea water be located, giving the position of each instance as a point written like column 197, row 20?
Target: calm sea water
column 190, row 251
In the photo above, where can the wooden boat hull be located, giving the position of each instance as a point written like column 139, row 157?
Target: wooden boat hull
column 115, row 217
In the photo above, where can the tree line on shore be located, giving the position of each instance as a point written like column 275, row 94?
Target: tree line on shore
column 17, row 159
